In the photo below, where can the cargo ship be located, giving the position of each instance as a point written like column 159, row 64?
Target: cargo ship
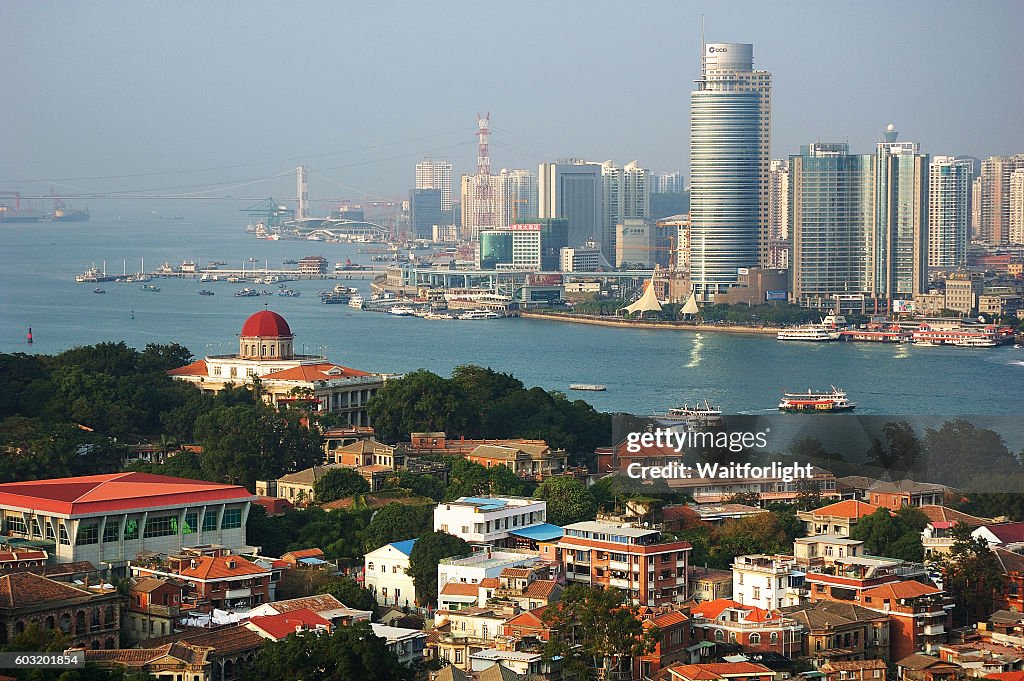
column 71, row 215
column 816, row 401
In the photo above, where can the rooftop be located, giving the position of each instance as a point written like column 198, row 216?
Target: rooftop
column 541, row 532
column 94, row 494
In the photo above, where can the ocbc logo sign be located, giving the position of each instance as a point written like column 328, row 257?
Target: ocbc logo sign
column 712, row 50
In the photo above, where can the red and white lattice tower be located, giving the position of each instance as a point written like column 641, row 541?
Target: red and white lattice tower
column 482, row 195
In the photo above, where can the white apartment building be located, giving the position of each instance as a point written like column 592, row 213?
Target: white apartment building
column 480, row 566
column 436, row 175
column 583, row 259
column 625, row 193
column 486, row 520
column 1017, row 206
column 525, row 247
column 949, row 213
column 767, row 582
column 385, row 571
column 515, row 197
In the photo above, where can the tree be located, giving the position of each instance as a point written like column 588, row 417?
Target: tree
column 760, row 533
column 596, row 629
column 350, row 653
column 971, row 574
column 568, row 500
column 420, row 401
column 426, row 553
column 952, row 455
column 350, row 593
column 902, row 450
column 339, row 483
column 421, row 484
column 397, row 522
column 892, row 535
column 749, row 498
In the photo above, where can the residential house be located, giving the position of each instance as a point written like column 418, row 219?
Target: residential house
column 920, row 615
column 753, row 629
column 1008, row 536
column 218, row 581
column 979, row 658
column 277, row 627
column 920, row 667
column 671, row 648
column 168, row 661
column 836, row 519
column 527, row 624
column 386, row 574
column 854, row 670
column 709, row 584
column 523, row 664
column 324, row 605
column 717, row 671
column 900, row 493
column 154, row 607
column 462, row 633
column 835, row 631
column 476, row 568
column 937, row 536
column 489, row 520
column 768, row 582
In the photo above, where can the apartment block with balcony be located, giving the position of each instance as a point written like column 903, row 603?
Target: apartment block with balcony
column 636, row 560
column 213, row 580
column 920, row 616
column 768, row 582
column 488, row 520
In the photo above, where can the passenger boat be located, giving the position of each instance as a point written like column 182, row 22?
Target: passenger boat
column 816, row 401
column 479, row 314
column 828, row 330
column 700, row 414
column 591, row 387
column 975, row 342
column 356, row 301
column 402, row 311
column 437, row 315
column 334, row 299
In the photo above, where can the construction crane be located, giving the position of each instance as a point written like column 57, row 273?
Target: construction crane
column 269, row 212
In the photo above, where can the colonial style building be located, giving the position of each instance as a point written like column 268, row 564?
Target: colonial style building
column 266, row 352
column 837, row 519
column 755, row 629
column 386, row 575
column 212, row 581
column 840, row 631
column 920, row 616
column 88, row 617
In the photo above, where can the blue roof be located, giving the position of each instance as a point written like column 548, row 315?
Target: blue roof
column 404, row 546
column 485, row 503
column 313, row 561
column 542, row 532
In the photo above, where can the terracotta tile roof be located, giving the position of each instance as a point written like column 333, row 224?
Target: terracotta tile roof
column 451, row 673
column 852, row 665
column 375, row 501
column 220, row 567
column 1006, row 676
column 228, row 640
column 314, row 372
column 497, row 672
column 541, row 588
column 712, row 610
column 197, row 368
column 22, row 589
column 490, row 583
column 527, row 618
column 917, row 662
column 711, row 671
column 907, row 487
column 1010, row 561
column 147, row 584
column 304, row 553
column 114, row 492
column 8, row 556
column 460, row 589
column 940, row 514
column 669, row 618
column 823, row 615
column 279, row 626
column 846, row 509
column 318, row 604
column 513, row 573
column 908, row 589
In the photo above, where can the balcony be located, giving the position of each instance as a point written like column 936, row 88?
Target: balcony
column 618, row 565
column 619, row 583
column 933, row 629
column 238, row 593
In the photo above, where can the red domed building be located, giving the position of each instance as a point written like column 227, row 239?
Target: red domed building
column 266, row 349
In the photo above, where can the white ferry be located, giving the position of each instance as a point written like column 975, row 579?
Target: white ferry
column 698, row 415
column 479, row 314
column 816, row 401
column 437, row 315
column 356, row 301
column 592, row 387
column 827, row 330
column 402, row 311
column 975, row 342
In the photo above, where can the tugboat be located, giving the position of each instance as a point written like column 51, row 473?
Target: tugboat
column 816, row 401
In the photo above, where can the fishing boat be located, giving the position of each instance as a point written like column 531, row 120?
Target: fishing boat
column 590, row 387
column 816, row 401
column 98, row 290
column 151, row 287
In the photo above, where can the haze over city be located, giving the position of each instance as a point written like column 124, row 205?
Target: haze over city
column 115, row 96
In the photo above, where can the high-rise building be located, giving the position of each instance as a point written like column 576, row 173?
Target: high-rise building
column 995, row 197
column 515, row 197
column 625, row 193
column 1017, row 206
column 572, row 190
column 477, row 204
column 668, row 183
column 516, row 247
column 730, row 135
column 900, row 253
column 976, row 208
column 949, row 211
column 633, row 243
column 425, row 206
column 778, row 214
column 436, row 175
column 832, row 215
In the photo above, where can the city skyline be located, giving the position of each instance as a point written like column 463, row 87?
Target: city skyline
column 122, row 116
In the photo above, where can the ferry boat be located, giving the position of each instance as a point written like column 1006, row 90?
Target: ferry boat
column 356, row 301
column 592, row 387
column 402, row 311
column 816, row 400
column 700, row 414
column 437, row 315
column 479, row 314
column 975, row 342
column 828, row 330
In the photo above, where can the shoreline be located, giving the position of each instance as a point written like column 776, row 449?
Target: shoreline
column 596, row 320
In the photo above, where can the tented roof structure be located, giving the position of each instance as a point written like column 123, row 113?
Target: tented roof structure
column 648, row 302
column 691, row 305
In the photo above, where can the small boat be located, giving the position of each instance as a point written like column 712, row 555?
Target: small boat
column 334, row 299
column 437, row 315
column 591, row 387
column 98, row 290
column 479, row 314
column 1017, row 346
column 246, row 293
column 402, row 311
column 206, row 292
column 975, row 342
column 150, row 287
column 816, row 401
column 289, row 293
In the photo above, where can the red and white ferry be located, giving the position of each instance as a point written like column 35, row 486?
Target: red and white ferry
column 877, row 333
column 816, row 401
column 982, row 336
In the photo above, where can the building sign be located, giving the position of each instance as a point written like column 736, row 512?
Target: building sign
column 775, row 295
column 903, row 306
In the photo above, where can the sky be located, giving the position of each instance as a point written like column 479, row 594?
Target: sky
column 226, row 98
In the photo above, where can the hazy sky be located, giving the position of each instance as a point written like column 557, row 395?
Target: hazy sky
column 178, row 94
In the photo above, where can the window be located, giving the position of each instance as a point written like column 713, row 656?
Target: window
column 112, row 530
column 458, row 656
column 755, row 639
column 36, row 530
column 757, row 593
column 131, row 529
column 160, row 526
column 64, row 538
column 15, row 523
column 774, row 637
column 49, row 531
column 191, row 522
column 88, row 534
column 210, row 521
column 232, row 519
column 369, row 566
column 719, row 635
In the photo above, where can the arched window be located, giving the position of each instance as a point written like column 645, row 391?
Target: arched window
column 774, row 637
column 817, row 645
column 79, row 621
column 65, row 623
column 755, row 639
column 719, row 635
column 50, row 622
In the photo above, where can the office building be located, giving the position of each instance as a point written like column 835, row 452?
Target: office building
column 730, row 134
column 436, row 175
column 633, row 244
column 495, row 251
column 832, row 215
column 515, row 197
column 425, row 206
column 554, row 236
column 625, row 193
column 584, row 259
column 995, row 197
column 572, row 191
column 949, row 211
column 1017, row 206
column 900, row 253
column 516, row 247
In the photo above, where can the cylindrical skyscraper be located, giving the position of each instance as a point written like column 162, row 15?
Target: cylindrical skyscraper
column 730, row 113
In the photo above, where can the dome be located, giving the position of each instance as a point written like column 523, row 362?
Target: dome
column 266, row 324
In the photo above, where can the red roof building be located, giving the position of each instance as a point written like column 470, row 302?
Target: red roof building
column 278, row 627
column 920, row 615
column 755, row 629
column 718, row 671
column 109, row 519
column 266, row 350
column 214, row 581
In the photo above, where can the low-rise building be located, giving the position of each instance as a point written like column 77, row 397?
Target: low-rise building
column 529, row 461
column 840, row 631
column 895, row 495
column 526, row 665
column 937, row 536
column 673, row 640
column 476, row 568
column 1008, row 536
column 919, row 667
column 980, row 658
column 920, row 616
column 1010, row 595
column 709, row 584
column 836, row 519
column 768, row 582
column 87, row 617
column 854, row 670
column 212, row 580
column 460, row 634
column 488, row 520
column 168, row 661
column 386, row 574
column 754, row 629
column 154, row 607
column 718, row 671
column 324, row 605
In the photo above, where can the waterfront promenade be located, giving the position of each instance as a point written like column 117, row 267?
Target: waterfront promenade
column 598, row 320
